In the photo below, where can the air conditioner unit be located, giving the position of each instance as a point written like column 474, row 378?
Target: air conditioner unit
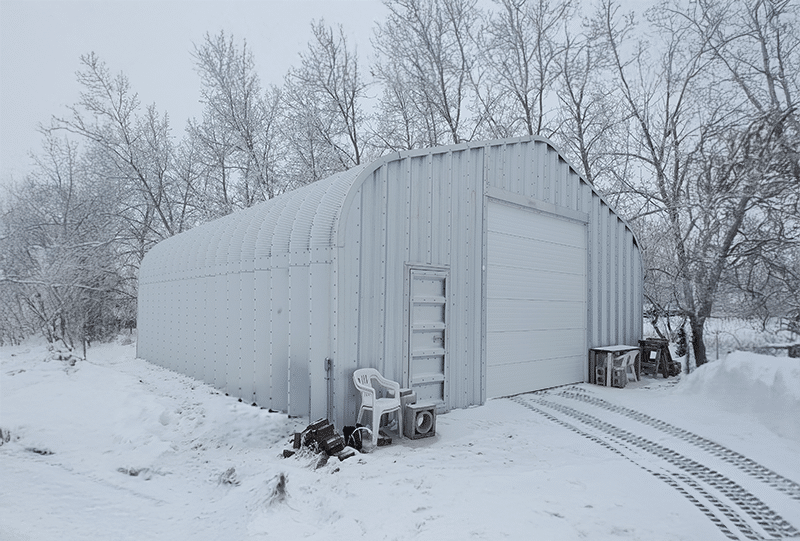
column 419, row 421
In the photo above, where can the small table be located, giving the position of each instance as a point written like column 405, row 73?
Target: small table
column 605, row 355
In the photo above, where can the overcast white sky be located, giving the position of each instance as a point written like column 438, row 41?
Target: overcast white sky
column 150, row 41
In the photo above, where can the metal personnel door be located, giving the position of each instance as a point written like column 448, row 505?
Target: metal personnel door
column 426, row 367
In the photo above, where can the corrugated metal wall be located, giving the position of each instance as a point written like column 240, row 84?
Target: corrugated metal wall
column 421, row 210
column 244, row 302
column 428, row 209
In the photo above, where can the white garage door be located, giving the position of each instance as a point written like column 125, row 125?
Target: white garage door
column 536, row 301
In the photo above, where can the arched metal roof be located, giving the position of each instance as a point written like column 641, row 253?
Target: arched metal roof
column 293, row 222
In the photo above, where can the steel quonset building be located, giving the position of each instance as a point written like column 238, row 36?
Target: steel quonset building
column 465, row 272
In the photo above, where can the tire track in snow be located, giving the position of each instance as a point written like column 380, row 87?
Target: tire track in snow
column 769, row 520
column 663, row 475
column 747, row 465
column 682, row 473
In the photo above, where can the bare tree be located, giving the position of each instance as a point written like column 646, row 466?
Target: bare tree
column 592, row 126
column 238, row 131
column 426, row 53
column 213, row 150
column 329, row 79
column 521, row 45
column 764, row 279
column 711, row 155
column 323, row 124
column 308, row 133
column 137, row 148
column 757, row 45
column 401, row 123
column 61, row 268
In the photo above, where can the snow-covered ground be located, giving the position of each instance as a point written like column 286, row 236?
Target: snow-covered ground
column 116, row 448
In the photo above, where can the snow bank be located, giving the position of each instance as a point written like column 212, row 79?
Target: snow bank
column 764, row 386
column 126, row 406
column 114, row 438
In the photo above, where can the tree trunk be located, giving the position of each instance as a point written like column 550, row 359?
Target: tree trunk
column 698, row 345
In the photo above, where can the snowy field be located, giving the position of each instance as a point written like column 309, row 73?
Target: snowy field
column 116, row 448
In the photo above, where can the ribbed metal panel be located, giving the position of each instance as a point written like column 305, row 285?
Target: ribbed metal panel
column 217, row 302
column 418, row 211
column 282, row 234
column 326, row 219
column 251, row 236
column 266, row 228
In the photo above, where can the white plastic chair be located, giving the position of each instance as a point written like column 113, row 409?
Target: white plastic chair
column 628, row 361
column 363, row 378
